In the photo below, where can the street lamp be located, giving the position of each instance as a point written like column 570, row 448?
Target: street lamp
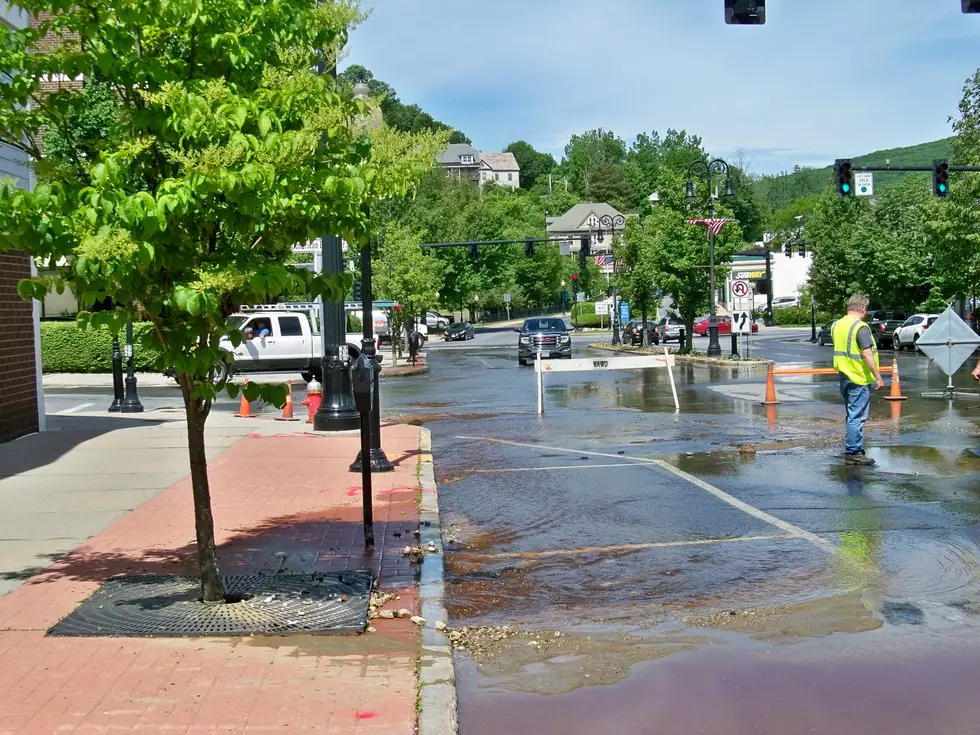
column 131, row 403
column 611, row 223
column 707, row 170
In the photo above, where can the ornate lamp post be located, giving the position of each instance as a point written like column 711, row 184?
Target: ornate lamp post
column 707, row 171
column 612, row 223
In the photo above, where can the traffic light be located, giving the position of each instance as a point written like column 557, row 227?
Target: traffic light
column 529, row 247
column 474, row 251
column 745, row 12
column 845, row 179
column 802, row 249
column 788, row 250
column 575, row 283
column 971, row 6
column 940, row 178
column 357, row 290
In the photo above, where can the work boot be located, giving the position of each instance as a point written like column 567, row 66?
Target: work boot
column 858, row 459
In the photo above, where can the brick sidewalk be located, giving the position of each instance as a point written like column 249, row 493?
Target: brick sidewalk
column 280, row 502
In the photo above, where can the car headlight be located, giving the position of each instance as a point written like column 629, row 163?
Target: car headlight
column 525, row 341
column 565, row 339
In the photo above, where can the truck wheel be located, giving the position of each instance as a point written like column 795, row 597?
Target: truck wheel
column 521, row 361
column 220, row 375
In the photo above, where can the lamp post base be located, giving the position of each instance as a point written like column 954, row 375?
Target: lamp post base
column 714, row 349
column 379, row 462
column 131, row 403
column 336, row 412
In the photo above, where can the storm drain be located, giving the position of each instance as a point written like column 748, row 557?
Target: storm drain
column 264, row 604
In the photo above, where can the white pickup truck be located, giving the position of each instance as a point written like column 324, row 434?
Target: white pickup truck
column 282, row 338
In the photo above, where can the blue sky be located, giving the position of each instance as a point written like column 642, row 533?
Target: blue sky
column 823, row 79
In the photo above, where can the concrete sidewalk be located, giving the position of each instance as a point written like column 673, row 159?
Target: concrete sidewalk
column 282, row 499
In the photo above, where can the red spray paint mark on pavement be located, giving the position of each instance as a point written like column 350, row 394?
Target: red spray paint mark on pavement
column 353, row 492
column 399, row 491
column 365, row 715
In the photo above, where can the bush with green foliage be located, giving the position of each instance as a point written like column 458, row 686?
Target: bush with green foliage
column 799, row 317
column 67, row 349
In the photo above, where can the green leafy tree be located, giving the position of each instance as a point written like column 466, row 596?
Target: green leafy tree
column 586, row 153
column 533, row 164
column 229, row 148
column 407, row 275
column 637, row 273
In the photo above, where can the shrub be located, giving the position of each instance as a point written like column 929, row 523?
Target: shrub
column 67, row 349
column 792, row 317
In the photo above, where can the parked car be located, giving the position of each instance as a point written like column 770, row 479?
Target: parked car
column 826, row 334
column 702, row 325
column 908, row 334
column 458, row 332
column 883, row 325
column 633, row 333
column 546, row 335
column 784, row 302
column 669, row 329
column 434, row 319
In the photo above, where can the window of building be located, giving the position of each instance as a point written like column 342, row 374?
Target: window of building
column 496, row 176
column 510, row 177
column 466, row 159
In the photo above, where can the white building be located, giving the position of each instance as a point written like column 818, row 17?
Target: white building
column 501, row 168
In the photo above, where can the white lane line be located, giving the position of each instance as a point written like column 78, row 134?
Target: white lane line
column 718, row 493
column 75, row 409
column 627, row 547
column 560, row 467
column 482, row 360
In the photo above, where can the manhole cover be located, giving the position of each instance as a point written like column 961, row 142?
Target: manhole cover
column 270, row 604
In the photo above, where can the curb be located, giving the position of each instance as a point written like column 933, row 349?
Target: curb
column 437, row 678
column 696, row 359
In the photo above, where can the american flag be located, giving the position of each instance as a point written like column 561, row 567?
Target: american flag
column 713, row 225
column 603, row 260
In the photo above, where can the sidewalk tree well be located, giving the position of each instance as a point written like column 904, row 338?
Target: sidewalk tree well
column 226, row 148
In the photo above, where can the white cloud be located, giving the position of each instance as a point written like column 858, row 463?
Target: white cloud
column 818, row 81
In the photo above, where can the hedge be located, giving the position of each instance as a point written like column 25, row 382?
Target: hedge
column 67, row 349
column 791, row 316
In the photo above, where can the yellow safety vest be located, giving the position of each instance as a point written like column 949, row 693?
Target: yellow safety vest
column 847, row 355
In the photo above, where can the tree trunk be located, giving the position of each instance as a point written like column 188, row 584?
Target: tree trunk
column 644, row 342
column 207, row 557
column 688, row 335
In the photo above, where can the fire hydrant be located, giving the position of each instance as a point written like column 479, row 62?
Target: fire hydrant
column 314, row 397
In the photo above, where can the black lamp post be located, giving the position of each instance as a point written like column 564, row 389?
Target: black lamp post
column 131, row 403
column 707, row 170
column 117, row 376
column 611, row 223
column 336, row 412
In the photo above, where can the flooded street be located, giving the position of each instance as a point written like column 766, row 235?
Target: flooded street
column 616, row 567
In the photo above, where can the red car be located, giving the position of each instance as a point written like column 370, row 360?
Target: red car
column 724, row 326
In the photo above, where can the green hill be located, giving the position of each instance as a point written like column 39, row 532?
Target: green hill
column 781, row 190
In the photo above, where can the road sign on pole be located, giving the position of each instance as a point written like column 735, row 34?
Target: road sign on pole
column 741, row 322
column 741, row 289
column 580, row 297
column 506, row 298
column 602, row 308
column 624, row 312
column 864, row 183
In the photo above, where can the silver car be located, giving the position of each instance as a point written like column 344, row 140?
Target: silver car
column 669, row 329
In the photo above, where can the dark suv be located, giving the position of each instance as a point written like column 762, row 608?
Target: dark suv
column 547, row 335
column 633, row 335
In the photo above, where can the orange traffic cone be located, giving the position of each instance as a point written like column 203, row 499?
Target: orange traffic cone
column 896, row 391
column 245, row 408
column 287, row 410
column 770, row 389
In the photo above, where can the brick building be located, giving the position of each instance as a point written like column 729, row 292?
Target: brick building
column 21, row 396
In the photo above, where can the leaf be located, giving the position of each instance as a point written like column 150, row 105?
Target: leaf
column 265, row 123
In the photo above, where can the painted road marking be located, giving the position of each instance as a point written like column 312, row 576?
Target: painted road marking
column 562, row 467
column 717, row 492
column 482, row 360
column 75, row 409
column 628, row 547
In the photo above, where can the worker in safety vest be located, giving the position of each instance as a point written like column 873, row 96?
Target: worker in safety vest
column 976, row 371
column 856, row 359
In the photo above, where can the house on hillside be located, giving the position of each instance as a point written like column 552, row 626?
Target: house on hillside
column 502, row 169
column 465, row 163
column 585, row 220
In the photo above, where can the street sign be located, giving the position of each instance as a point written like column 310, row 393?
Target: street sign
column 864, row 183
column 741, row 322
column 741, row 289
column 624, row 312
column 580, row 297
column 506, row 298
column 602, row 308
column 746, row 304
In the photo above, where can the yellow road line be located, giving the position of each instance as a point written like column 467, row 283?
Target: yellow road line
column 627, row 547
column 718, row 493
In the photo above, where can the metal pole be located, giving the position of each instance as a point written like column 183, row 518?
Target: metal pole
column 366, row 489
column 616, row 339
column 540, row 381
column 117, row 376
column 378, row 460
column 336, row 412
column 131, row 403
column 714, row 348
column 769, row 319
column 670, row 374
column 813, row 319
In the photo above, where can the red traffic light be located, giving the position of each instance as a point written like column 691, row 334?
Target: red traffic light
column 575, row 276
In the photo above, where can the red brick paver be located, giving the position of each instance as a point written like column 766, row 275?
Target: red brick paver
column 280, row 502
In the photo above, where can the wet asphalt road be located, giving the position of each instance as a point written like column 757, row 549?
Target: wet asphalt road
column 700, row 589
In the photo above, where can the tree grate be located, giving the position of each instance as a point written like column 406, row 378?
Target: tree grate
column 268, row 604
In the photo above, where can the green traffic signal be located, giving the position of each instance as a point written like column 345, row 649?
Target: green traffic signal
column 846, row 187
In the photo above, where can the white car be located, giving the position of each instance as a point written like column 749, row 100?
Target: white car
column 908, row 334
column 784, row 302
column 432, row 319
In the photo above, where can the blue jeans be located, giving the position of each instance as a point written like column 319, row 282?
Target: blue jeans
column 857, row 398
